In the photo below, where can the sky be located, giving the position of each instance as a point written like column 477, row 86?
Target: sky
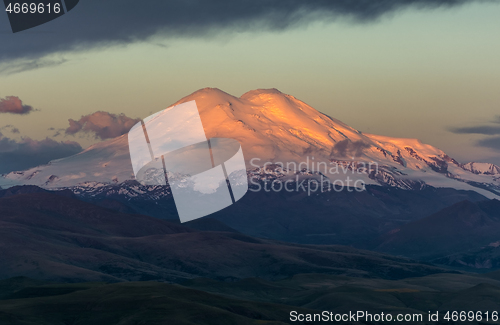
column 426, row 69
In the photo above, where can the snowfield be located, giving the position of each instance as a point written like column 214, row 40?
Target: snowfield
column 273, row 127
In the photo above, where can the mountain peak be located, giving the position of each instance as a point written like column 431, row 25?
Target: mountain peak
column 482, row 168
column 206, row 93
column 276, row 127
column 262, row 91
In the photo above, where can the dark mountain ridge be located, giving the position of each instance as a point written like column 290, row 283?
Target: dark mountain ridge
column 53, row 237
column 464, row 234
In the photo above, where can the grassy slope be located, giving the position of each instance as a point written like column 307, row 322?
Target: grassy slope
column 45, row 236
column 132, row 303
column 248, row 301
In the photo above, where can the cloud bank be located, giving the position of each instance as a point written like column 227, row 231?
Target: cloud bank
column 27, row 153
column 492, row 143
column 492, row 130
column 96, row 23
column 102, row 125
column 14, row 105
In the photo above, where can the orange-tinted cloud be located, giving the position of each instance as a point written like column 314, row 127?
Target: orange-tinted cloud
column 102, row 125
column 14, row 105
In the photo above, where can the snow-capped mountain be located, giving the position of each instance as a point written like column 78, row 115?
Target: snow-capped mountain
column 482, row 168
column 273, row 127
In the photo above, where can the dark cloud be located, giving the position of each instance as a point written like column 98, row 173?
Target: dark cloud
column 14, row 105
column 486, row 129
column 7, row 145
column 97, row 23
column 27, row 65
column 492, row 143
column 57, row 131
column 10, row 128
column 481, row 129
column 492, row 130
column 26, row 153
column 102, row 125
column 347, row 148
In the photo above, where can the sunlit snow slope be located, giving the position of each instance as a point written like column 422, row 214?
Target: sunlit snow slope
column 275, row 127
